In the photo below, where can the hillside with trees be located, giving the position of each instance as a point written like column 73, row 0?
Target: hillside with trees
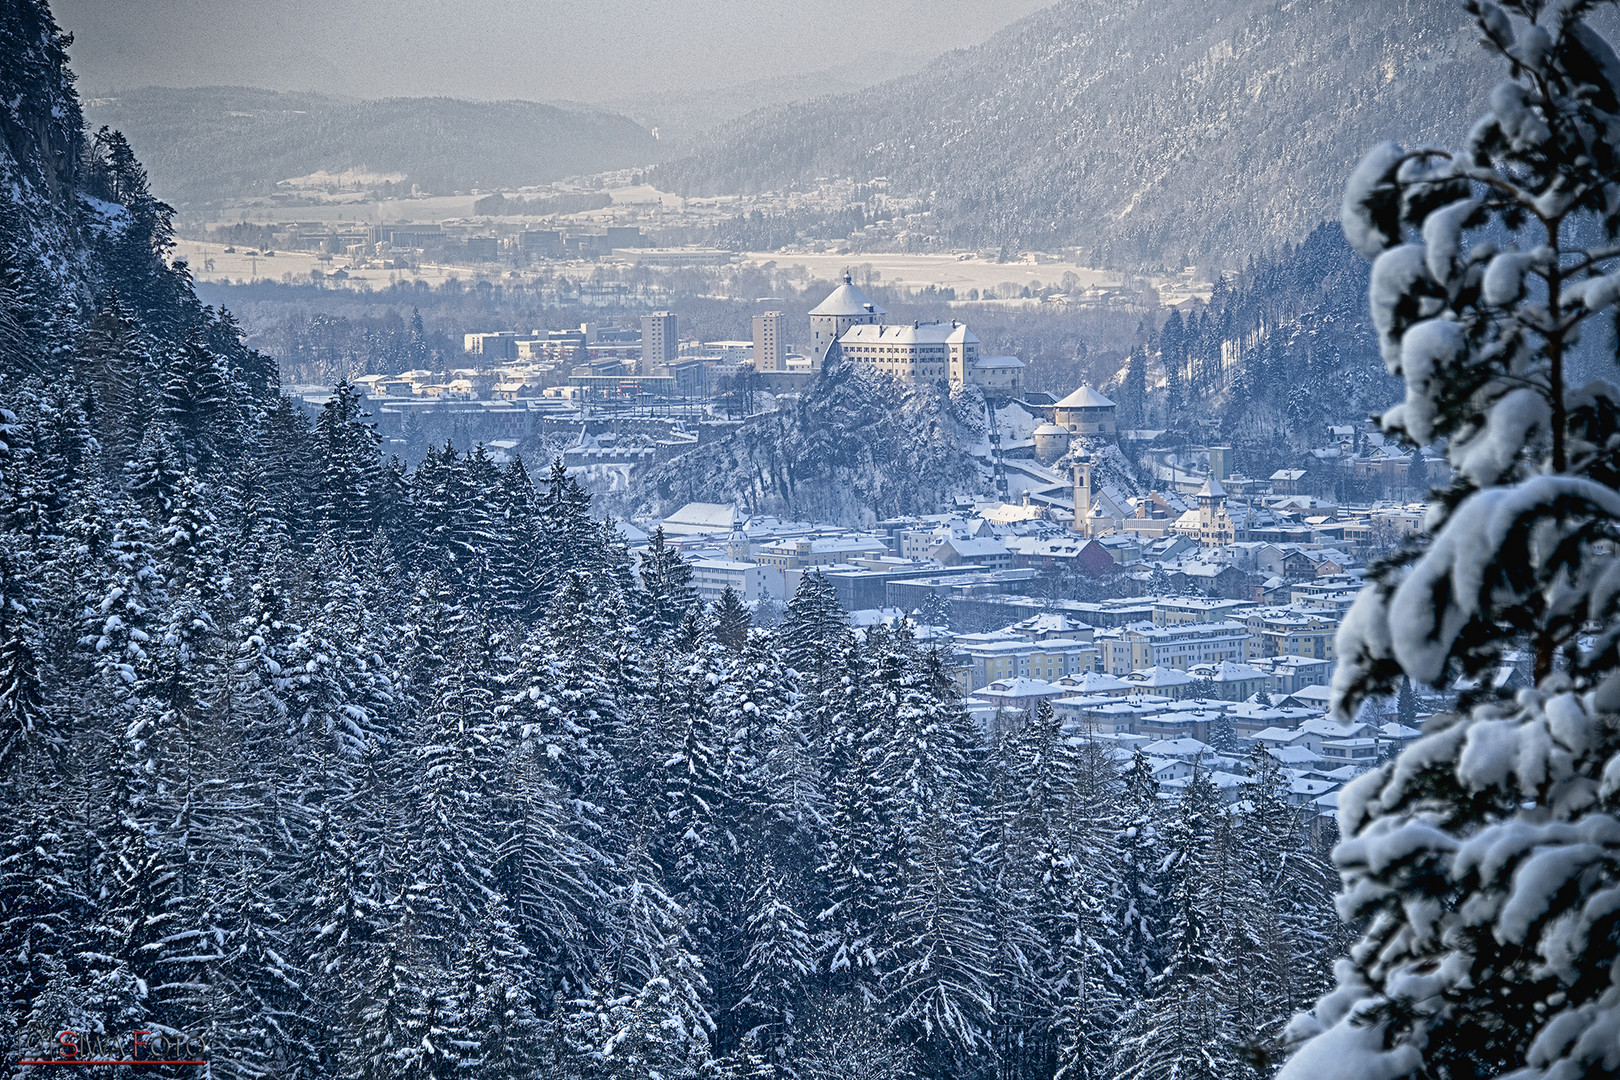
column 339, row 769
column 205, row 144
column 1280, row 352
column 1146, row 133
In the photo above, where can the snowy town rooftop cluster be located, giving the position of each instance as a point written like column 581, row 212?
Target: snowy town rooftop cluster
column 1215, row 653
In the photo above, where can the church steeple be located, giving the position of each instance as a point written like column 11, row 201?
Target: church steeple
column 738, row 549
column 1212, row 496
column 1215, row 526
column 1082, row 492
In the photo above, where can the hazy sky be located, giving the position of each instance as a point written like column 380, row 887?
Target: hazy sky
column 584, row 50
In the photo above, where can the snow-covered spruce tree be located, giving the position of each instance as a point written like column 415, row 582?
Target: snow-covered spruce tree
column 564, row 703
column 1140, row 906
column 667, row 581
column 565, row 526
column 24, row 716
column 349, row 480
column 518, row 555
column 781, row 956
column 1092, row 959
column 731, row 620
column 1284, row 933
column 858, row 879
column 644, row 1018
column 1029, row 882
column 1179, row 1030
column 1485, row 860
column 936, row 946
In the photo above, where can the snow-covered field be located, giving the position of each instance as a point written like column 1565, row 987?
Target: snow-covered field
column 211, row 262
column 943, row 270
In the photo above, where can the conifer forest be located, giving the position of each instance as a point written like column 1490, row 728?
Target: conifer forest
column 349, row 771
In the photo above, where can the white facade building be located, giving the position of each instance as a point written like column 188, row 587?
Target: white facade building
column 749, row 581
column 920, row 352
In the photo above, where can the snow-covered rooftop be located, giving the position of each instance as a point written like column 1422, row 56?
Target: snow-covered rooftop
column 972, row 548
column 1009, row 689
column 1159, row 676
column 701, row 516
column 1085, row 398
column 1179, row 748
column 922, row 333
column 1094, row 682
column 847, row 301
column 1294, row 755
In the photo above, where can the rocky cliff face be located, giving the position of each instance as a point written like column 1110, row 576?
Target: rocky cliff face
column 40, row 119
column 854, row 448
column 42, row 150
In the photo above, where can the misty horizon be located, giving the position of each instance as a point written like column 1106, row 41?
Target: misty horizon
column 492, row 50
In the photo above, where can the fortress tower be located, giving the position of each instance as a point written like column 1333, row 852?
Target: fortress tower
column 845, row 306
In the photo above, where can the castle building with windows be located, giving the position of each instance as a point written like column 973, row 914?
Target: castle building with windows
column 851, row 325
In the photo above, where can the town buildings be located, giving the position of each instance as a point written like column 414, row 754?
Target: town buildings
column 1148, row 645
column 1191, row 680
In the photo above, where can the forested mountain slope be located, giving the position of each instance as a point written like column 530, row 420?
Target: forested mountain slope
column 334, row 770
column 1282, row 351
column 1148, row 132
column 212, row 142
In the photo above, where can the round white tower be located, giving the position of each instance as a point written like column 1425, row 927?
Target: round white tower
column 845, row 306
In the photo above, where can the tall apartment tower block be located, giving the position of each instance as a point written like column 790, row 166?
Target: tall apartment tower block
column 770, row 341
column 660, row 344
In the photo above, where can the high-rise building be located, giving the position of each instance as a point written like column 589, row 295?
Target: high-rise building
column 770, row 341
column 659, row 342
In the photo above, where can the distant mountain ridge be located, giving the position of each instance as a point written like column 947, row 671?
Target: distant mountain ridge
column 203, row 144
column 687, row 112
column 1148, row 132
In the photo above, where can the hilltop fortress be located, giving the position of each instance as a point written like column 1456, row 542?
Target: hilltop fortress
column 849, row 325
